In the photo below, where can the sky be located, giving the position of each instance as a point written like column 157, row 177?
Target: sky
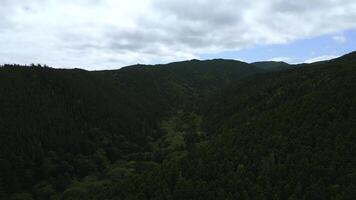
column 109, row 34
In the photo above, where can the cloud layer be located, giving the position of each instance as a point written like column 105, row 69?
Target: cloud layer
column 108, row 33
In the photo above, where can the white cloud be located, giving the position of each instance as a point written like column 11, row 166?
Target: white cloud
column 339, row 38
column 320, row 58
column 281, row 59
column 110, row 34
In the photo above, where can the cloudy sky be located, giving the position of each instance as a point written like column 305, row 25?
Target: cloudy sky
column 107, row 34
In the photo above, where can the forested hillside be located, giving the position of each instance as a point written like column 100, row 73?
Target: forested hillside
column 58, row 126
column 272, row 65
column 216, row 129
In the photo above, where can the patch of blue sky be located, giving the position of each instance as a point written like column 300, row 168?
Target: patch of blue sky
column 298, row 51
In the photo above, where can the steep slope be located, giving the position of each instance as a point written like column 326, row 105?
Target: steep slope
column 351, row 57
column 61, row 125
column 293, row 133
column 69, row 115
column 285, row 135
column 160, row 91
column 73, row 134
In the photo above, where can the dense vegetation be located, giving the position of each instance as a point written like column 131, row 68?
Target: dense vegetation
column 272, row 65
column 216, row 129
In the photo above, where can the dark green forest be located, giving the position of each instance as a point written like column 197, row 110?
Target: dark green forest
column 216, row 129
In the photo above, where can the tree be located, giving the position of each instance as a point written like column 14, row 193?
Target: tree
column 350, row 192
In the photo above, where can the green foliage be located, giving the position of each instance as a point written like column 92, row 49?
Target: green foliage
column 44, row 191
column 90, row 188
column 21, row 196
column 273, row 66
column 284, row 135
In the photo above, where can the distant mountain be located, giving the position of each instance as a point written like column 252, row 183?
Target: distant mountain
column 207, row 74
column 175, row 84
column 272, row 65
column 212, row 73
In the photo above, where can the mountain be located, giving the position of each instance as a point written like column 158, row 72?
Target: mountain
column 272, row 65
column 196, row 74
column 212, row 74
column 181, row 83
column 56, row 124
column 348, row 57
column 283, row 135
column 217, row 129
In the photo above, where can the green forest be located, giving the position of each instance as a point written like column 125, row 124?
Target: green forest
column 214, row 129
